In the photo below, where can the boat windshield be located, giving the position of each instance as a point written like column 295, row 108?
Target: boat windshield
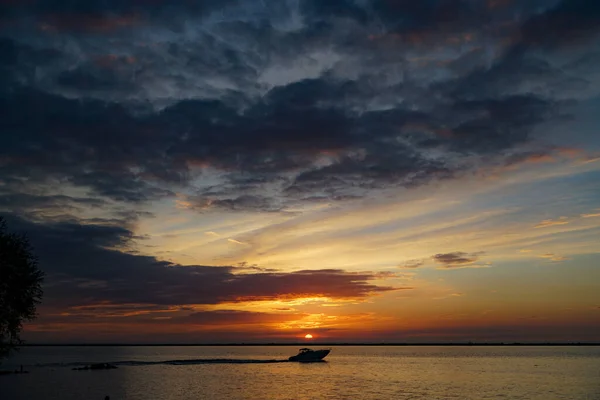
column 304, row 350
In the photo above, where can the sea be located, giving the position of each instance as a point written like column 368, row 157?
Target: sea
column 263, row 372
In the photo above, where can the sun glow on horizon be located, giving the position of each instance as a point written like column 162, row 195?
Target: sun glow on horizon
column 308, row 336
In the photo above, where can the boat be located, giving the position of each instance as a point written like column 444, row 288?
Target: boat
column 308, row 355
column 97, row 366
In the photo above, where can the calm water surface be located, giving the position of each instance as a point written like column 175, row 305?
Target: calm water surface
column 161, row 373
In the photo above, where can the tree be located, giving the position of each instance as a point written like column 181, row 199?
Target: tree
column 20, row 287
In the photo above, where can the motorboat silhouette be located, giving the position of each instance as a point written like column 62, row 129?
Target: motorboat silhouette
column 308, row 355
column 96, row 366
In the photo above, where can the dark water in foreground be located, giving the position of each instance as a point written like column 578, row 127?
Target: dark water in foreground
column 353, row 372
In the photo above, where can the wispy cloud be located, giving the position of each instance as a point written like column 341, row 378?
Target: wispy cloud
column 412, row 264
column 591, row 215
column 553, row 257
column 552, row 222
column 592, row 160
column 449, row 296
column 237, row 242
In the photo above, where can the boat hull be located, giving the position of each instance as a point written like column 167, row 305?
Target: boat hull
column 312, row 356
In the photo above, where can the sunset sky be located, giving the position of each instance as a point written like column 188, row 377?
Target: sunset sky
column 256, row 170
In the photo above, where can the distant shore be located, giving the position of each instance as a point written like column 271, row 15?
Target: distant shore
column 305, row 344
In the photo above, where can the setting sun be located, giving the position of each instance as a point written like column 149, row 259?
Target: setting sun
column 308, row 336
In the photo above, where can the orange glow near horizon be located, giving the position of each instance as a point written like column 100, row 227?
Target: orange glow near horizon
column 308, row 336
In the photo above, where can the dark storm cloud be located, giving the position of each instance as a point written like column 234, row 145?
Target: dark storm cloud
column 375, row 170
column 47, row 236
column 23, row 203
column 143, row 313
column 85, row 265
column 500, row 124
column 570, row 22
column 283, row 100
column 100, row 15
column 89, row 144
column 241, row 203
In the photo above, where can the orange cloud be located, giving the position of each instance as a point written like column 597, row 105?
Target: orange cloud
column 198, row 163
column 552, row 222
column 449, row 296
column 553, row 257
column 235, row 317
column 412, row 264
column 553, row 155
column 591, row 215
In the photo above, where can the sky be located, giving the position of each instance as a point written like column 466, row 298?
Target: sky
column 253, row 171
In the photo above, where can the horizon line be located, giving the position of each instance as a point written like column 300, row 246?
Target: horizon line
column 466, row 344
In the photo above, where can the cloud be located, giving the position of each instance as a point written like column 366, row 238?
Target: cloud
column 548, row 155
column 92, row 23
column 244, row 267
column 143, row 313
column 235, row 317
column 590, row 215
column 248, row 107
column 552, row 222
column 570, row 22
column 240, row 203
column 274, row 103
column 458, row 260
column 117, row 277
column 412, row 264
column 449, row 296
column 553, row 257
column 24, row 203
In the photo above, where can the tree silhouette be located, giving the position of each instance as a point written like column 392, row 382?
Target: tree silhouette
column 20, row 287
